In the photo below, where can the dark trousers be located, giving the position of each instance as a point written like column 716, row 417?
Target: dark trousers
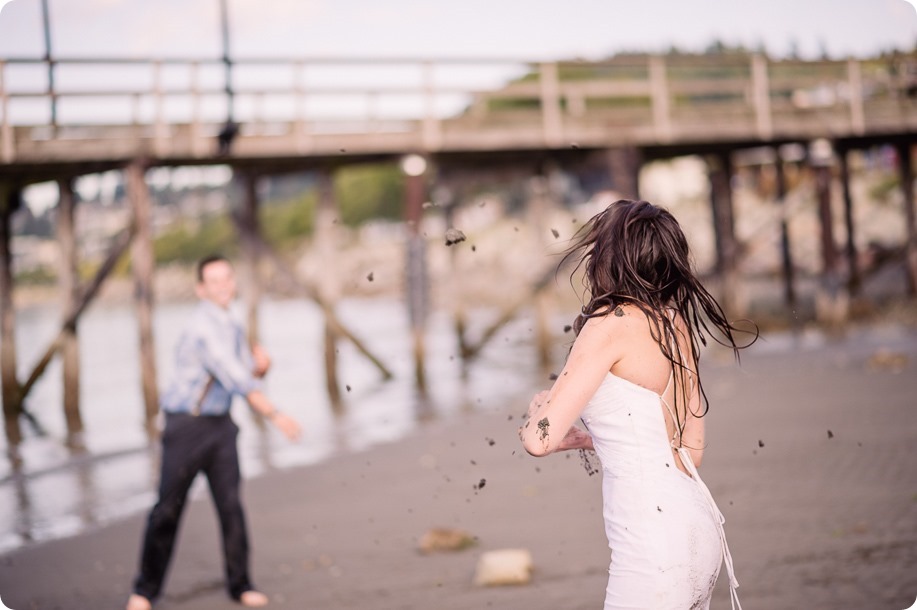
column 190, row 445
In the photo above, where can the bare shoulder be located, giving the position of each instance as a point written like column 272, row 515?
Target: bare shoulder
column 615, row 323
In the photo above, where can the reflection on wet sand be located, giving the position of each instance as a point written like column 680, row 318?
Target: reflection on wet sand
column 54, row 492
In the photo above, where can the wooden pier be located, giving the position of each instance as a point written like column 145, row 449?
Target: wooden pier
column 641, row 101
column 617, row 114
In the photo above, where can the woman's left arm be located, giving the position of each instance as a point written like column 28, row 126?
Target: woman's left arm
column 576, row 439
column 552, row 413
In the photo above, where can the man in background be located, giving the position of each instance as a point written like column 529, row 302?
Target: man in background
column 214, row 362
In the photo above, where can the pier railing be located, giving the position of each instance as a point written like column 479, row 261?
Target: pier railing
column 103, row 108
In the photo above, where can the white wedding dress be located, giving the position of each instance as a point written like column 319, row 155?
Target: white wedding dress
column 664, row 529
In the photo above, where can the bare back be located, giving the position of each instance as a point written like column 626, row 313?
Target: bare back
column 644, row 364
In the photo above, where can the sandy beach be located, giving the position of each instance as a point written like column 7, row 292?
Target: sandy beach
column 810, row 457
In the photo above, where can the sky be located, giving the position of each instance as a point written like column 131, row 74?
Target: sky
column 528, row 29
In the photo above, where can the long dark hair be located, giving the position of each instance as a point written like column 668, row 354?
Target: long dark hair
column 635, row 253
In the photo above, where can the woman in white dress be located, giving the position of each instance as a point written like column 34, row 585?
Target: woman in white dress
column 632, row 378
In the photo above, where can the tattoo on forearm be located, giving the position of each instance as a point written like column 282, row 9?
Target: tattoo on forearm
column 543, row 426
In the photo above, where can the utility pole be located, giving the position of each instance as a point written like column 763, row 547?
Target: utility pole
column 230, row 129
column 46, row 20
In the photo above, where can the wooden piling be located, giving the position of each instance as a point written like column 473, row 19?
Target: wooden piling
column 249, row 229
column 327, row 282
column 456, row 284
column 823, row 195
column 307, row 290
column 786, row 252
column 727, row 251
column 830, row 305
column 119, row 246
column 510, row 312
column 624, row 169
column 906, row 172
column 414, row 168
column 68, row 282
column 10, row 198
column 416, row 267
column 142, row 267
column 538, row 208
column 853, row 274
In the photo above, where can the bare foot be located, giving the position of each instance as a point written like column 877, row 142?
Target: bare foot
column 138, row 602
column 253, row 599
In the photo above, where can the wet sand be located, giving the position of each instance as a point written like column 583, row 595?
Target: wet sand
column 811, row 458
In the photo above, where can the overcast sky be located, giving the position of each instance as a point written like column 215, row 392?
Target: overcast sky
column 536, row 29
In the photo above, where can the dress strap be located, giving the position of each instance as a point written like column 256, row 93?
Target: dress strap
column 668, row 408
column 720, row 521
column 673, row 346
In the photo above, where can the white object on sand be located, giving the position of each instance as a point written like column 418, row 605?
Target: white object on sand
column 504, row 567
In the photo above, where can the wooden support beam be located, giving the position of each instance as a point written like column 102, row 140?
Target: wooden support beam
column 68, row 282
column 116, row 250
column 831, row 305
column 539, row 205
column 786, row 252
column 727, row 250
column 624, row 169
column 142, row 266
column 249, row 231
column 10, row 200
column 509, row 314
column 246, row 222
column 826, row 218
column 906, row 172
column 853, row 276
column 414, row 168
column 297, row 286
column 449, row 203
column 324, row 250
column 416, row 285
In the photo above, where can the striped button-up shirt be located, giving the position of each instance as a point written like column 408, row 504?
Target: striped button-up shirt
column 213, row 362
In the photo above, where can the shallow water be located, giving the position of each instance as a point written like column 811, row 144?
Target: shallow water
column 59, row 494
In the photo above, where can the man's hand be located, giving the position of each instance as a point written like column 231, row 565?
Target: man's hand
column 287, row 425
column 262, row 361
